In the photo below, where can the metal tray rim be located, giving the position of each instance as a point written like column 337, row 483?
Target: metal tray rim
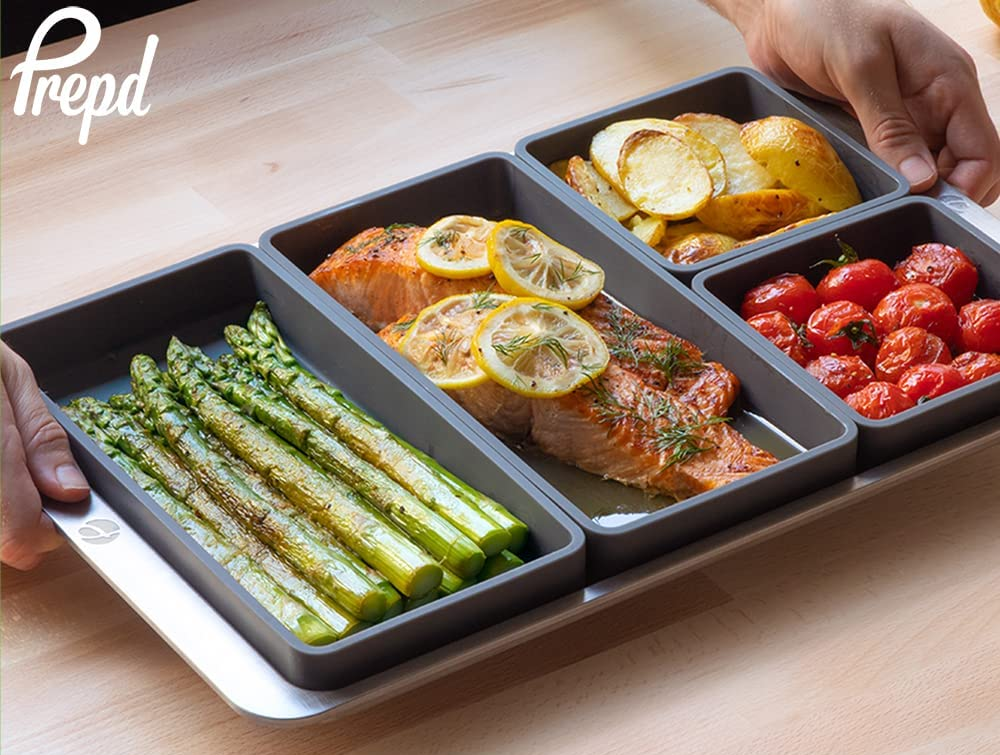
column 245, row 681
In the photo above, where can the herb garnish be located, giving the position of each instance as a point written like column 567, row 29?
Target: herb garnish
column 673, row 360
column 683, row 441
column 521, row 344
column 520, row 233
column 484, row 299
column 388, row 234
column 441, row 238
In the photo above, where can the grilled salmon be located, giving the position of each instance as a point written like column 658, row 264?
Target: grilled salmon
column 654, row 420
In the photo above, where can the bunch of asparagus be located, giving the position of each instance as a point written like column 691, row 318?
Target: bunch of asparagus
column 327, row 518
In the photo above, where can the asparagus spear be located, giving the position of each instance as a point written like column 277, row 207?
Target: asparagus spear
column 262, row 327
column 125, row 432
column 367, row 438
column 502, row 562
column 435, row 534
column 260, row 486
column 327, row 567
column 452, row 583
column 414, row 603
column 296, row 617
column 328, row 500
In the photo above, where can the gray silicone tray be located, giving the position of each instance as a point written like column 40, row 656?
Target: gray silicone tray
column 886, row 233
column 738, row 93
column 84, row 348
column 780, row 415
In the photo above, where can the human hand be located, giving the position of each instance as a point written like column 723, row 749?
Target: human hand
column 36, row 460
column 913, row 88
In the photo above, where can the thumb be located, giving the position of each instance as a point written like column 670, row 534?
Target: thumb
column 46, row 447
column 872, row 89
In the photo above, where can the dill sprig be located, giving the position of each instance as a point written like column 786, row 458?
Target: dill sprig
column 443, row 345
column 576, row 273
column 520, row 233
column 684, row 441
column 441, row 238
column 485, row 299
column 673, row 360
column 521, row 344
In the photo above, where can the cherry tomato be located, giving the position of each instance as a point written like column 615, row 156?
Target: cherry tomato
column 842, row 375
column 925, row 381
column 975, row 365
column 843, row 327
column 777, row 328
column 906, row 347
column 979, row 324
column 879, row 400
column 921, row 305
column 943, row 266
column 791, row 294
column 865, row 283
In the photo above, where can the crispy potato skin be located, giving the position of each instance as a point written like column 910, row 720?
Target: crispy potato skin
column 789, row 227
column 802, row 159
column 753, row 213
column 695, row 247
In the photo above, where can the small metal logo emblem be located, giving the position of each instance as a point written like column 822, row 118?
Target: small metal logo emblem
column 99, row 531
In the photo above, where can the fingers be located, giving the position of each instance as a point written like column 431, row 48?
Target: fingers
column 973, row 146
column 872, row 89
column 26, row 532
column 43, row 441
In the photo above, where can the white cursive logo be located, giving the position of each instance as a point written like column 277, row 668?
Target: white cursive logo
column 75, row 95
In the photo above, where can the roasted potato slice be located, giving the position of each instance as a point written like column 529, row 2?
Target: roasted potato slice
column 789, row 227
column 559, row 168
column 662, row 176
column 695, row 247
column 675, row 231
column 648, row 228
column 802, row 159
column 582, row 177
column 606, row 146
column 753, row 213
column 743, row 172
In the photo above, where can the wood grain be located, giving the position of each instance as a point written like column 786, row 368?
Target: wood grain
column 873, row 631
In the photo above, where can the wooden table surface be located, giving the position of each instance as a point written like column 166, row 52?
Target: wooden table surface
column 876, row 630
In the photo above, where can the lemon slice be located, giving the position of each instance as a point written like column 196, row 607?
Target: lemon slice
column 439, row 341
column 539, row 349
column 527, row 262
column 455, row 247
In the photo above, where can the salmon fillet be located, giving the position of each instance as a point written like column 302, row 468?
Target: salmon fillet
column 654, row 420
column 376, row 276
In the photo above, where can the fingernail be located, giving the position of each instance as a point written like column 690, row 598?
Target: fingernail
column 916, row 170
column 70, row 477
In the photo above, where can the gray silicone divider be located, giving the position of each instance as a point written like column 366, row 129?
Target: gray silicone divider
column 84, row 348
column 498, row 186
column 886, row 233
column 741, row 94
